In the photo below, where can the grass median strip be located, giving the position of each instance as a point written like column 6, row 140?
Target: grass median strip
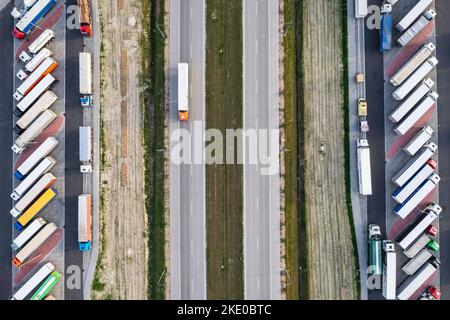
column 224, row 184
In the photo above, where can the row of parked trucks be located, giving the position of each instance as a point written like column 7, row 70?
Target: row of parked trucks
column 35, row 190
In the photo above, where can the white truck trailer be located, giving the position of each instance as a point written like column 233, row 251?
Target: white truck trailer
column 85, row 149
column 38, row 59
column 418, row 75
column 417, row 246
column 183, row 91
column 360, row 9
column 40, row 42
column 409, row 67
column 419, row 260
column 404, row 209
column 418, row 26
column 422, row 137
column 34, row 281
column 389, row 270
column 401, row 194
column 364, row 171
column 414, row 164
column 85, row 60
column 42, row 168
column 84, row 222
column 406, row 106
column 44, row 102
column 34, row 94
column 407, row 123
column 411, row 232
column 413, row 14
column 413, row 283
column 40, row 153
column 34, row 130
column 39, row 187
column 28, row 233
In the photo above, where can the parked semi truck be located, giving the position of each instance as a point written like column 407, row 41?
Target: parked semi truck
column 17, row 13
column 407, row 123
column 364, row 171
column 413, row 283
column 409, row 67
column 40, row 153
column 85, row 79
column 38, row 59
column 432, row 293
column 44, row 38
column 360, row 8
column 414, row 164
column 35, row 208
column 406, row 106
column 418, row 26
column 34, row 244
column 47, row 286
column 404, row 209
column 418, row 75
column 389, row 270
column 419, row 260
column 84, row 15
column 43, row 183
column 85, row 149
column 41, row 169
column 44, row 69
column 183, row 91
column 84, row 222
column 34, row 281
column 34, row 94
column 32, row 17
column 417, row 246
column 386, row 28
column 44, row 102
column 375, row 263
column 422, row 137
column 34, row 130
column 402, row 194
column 28, row 233
column 412, row 15
column 414, row 230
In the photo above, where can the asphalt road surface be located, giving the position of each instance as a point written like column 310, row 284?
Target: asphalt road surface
column 261, row 111
column 6, row 136
column 187, row 181
column 73, row 178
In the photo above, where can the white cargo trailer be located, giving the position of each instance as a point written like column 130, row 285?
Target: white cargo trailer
column 183, row 91
column 415, row 229
column 43, row 183
column 34, row 281
column 44, row 102
column 422, row 137
column 28, row 233
column 85, row 73
column 415, row 79
column 409, row 67
column 417, row 113
column 414, row 264
column 389, row 270
column 401, row 194
column 412, row 15
column 417, row 246
column 42, row 168
column 85, row 149
column 34, row 130
column 413, row 283
column 38, row 59
column 406, row 106
column 41, row 41
column 364, row 171
column 414, row 164
column 34, row 94
column 360, row 8
column 418, row 26
column 40, row 153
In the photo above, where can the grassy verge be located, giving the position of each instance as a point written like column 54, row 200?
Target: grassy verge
column 290, row 126
column 152, row 46
column 224, row 185
column 346, row 142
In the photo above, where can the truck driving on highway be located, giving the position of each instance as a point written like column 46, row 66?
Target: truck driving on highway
column 32, row 17
column 364, row 172
column 33, row 282
column 28, row 233
column 415, row 79
column 406, row 106
column 404, row 209
column 422, row 137
column 34, row 94
column 386, row 28
column 44, row 38
column 85, row 149
column 411, row 232
column 413, row 283
column 44, row 102
column 183, row 91
column 414, row 164
column 418, row 26
column 84, row 15
column 389, row 270
column 84, row 222
column 34, row 209
column 375, row 263
column 412, row 15
column 409, row 67
column 85, row 79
